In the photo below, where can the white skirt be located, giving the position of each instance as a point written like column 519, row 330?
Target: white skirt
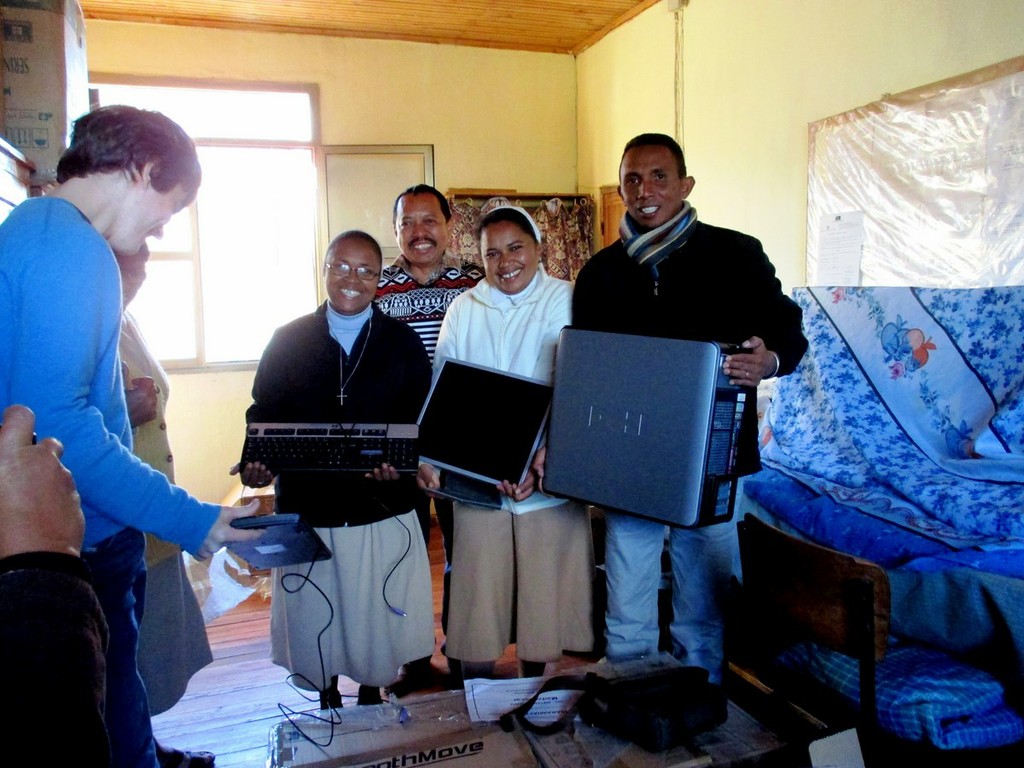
column 363, row 613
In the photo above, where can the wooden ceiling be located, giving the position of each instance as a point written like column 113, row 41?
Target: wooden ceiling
column 556, row 26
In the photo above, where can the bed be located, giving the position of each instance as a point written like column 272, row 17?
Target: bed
column 900, row 439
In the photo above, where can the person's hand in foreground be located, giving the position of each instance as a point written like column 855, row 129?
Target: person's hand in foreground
column 40, row 510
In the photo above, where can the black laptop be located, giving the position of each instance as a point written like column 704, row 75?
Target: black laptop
column 476, row 449
column 644, row 425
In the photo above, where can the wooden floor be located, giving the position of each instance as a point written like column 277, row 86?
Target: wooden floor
column 232, row 704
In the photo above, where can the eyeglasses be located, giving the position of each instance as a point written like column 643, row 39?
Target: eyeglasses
column 342, row 269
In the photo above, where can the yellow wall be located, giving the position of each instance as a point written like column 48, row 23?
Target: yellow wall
column 626, row 85
column 755, row 74
column 206, row 419
column 497, row 119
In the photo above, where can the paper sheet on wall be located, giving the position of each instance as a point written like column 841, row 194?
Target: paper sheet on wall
column 840, row 246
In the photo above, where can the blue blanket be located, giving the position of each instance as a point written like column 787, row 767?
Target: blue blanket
column 923, row 695
column 967, row 602
column 909, row 407
column 900, row 439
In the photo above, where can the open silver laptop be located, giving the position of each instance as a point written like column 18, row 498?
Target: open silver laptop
column 481, row 426
column 644, row 425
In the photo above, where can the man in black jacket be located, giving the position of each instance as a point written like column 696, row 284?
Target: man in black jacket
column 673, row 276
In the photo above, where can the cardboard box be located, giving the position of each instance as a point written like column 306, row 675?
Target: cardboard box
column 740, row 740
column 429, row 730
column 3, row 117
column 436, row 729
column 583, row 746
column 46, row 78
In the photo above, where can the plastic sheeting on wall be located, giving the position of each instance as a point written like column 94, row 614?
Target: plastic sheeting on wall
column 925, row 188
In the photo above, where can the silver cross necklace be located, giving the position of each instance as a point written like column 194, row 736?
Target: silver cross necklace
column 341, row 376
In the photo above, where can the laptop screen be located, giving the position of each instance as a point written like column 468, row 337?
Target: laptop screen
column 482, row 422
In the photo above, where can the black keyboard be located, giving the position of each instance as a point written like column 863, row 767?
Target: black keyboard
column 348, row 447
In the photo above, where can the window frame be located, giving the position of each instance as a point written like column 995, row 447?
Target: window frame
column 199, row 364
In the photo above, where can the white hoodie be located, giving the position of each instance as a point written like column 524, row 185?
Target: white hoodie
column 518, row 334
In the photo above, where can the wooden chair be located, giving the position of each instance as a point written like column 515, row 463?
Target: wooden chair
column 795, row 590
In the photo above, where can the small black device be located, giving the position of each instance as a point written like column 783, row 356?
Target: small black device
column 287, row 540
column 656, row 711
column 733, row 349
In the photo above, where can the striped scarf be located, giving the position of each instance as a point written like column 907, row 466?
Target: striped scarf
column 650, row 248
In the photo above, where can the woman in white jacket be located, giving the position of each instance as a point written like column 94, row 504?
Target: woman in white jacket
column 523, row 573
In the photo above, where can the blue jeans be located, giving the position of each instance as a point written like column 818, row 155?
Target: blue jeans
column 703, row 562
column 119, row 577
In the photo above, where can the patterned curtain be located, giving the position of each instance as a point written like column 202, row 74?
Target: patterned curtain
column 565, row 222
column 462, row 229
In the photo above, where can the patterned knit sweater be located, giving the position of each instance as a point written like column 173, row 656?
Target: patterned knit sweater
column 423, row 307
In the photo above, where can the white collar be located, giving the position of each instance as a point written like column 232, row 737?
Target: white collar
column 502, row 300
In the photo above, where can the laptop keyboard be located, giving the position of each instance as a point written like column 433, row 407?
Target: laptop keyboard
column 344, row 447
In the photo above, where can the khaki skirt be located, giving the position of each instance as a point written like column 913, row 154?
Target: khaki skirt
column 363, row 613
column 520, row 578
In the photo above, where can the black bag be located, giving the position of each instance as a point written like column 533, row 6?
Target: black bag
column 656, row 712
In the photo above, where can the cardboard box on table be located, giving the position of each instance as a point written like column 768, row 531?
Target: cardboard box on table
column 428, row 730
column 740, row 740
column 2, row 108
column 46, row 78
column 439, row 728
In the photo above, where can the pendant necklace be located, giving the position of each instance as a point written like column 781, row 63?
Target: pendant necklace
column 341, row 375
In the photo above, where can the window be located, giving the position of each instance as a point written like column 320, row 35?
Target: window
column 241, row 261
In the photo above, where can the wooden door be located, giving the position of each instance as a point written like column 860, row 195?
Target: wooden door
column 360, row 185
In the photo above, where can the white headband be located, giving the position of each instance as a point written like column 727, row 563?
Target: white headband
column 522, row 212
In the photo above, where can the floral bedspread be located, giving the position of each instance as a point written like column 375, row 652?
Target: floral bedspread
column 909, row 406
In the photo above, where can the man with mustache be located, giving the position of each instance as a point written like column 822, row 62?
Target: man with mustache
column 418, row 289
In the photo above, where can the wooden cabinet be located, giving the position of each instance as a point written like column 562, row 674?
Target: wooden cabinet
column 612, row 209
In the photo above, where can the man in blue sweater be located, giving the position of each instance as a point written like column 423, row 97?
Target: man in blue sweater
column 126, row 172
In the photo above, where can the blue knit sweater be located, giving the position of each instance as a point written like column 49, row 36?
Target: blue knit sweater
column 60, row 321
